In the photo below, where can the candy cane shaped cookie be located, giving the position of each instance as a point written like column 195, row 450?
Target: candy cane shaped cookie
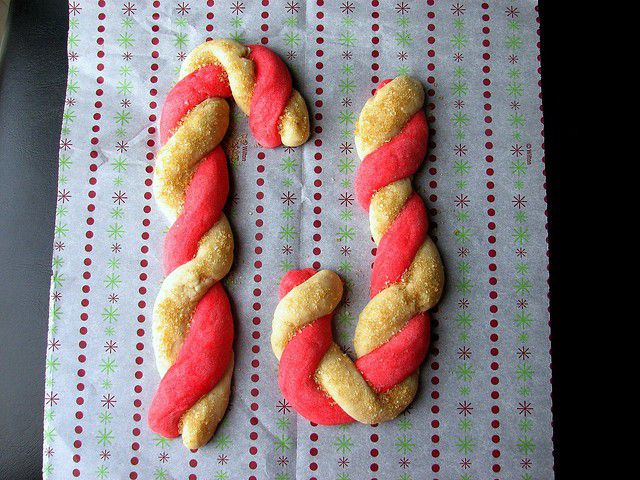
column 192, row 322
column 392, row 336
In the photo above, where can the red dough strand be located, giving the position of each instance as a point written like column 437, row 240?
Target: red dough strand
column 270, row 95
column 206, row 82
column 399, row 158
column 205, row 198
column 201, row 363
column 399, row 245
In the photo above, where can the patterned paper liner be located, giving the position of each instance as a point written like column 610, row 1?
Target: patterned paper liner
column 484, row 406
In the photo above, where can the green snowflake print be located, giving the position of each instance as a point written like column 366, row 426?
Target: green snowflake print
column 524, row 372
column 105, row 437
column 292, row 39
column 283, row 443
column 343, row 444
column 525, row 445
column 404, row 444
column 465, row 445
column 222, row 442
column 465, row 372
column 125, row 40
column 459, row 40
column 287, row 232
column 288, row 165
column 347, row 39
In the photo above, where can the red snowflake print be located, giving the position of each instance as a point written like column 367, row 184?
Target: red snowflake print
column 70, row 102
column 458, row 9
column 163, row 457
column 404, row 462
column 283, row 461
column 465, row 408
column 402, row 56
column 222, row 459
column 526, row 463
column 113, row 298
column 464, row 353
column 53, row 344
column 513, row 59
column 463, row 303
column 515, row 105
column 56, row 296
column 347, row 8
column 346, row 199
column 129, row 8
column 116, row 248
column 458, row 57
column 122, row 146
column 462, row 201
column 521, row 252
column 126, row 56
column 524, row 353
column 283, row 406
column 463, row 252
column 346, row 148
column 49, row 452
column 237, row 8
column 346, row 102
column 51, row 399
column 291, row 55
column 65, row 144
column 72, row 56
column 347, row 55
column 105, row 455
column 64, row 196
column 519, row 201
column 183, row 8
column 119, row 197
column 344, row 250
column 111, row 346
column 288, row 198
column 458, row 104
column 125, row 103
column 293, row 7
column 181, row 56
column 465, row 463
column 525, row 408
column 287, row 249
column 343, row 462
column 460, row 150
column 58, row 246
column 108, row 401
column 74, row 8
column 512, row 12
column 402, row 8
column 289, row 149
column 517, row 150
column 522, row 303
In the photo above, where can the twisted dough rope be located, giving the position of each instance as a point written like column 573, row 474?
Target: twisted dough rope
column 392, row 336
column 192, row 322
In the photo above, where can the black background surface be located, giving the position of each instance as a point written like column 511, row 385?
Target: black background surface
column 32, row 92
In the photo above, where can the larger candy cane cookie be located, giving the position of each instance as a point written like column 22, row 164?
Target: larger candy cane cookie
column 192, row 322
column 392, row 336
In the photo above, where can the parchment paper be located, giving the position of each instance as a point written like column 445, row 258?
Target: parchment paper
column 484, row 409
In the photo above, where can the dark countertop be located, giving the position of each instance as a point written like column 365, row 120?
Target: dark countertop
column 32, row 92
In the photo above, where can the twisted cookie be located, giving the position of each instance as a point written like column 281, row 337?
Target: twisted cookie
column 192, row 322
column 392, row 336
